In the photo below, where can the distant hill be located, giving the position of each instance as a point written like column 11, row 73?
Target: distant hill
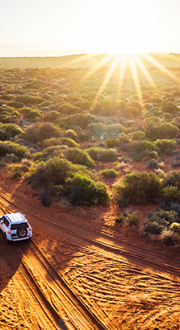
column 81, row 61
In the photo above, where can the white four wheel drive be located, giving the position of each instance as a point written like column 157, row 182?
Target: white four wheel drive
column 15, row 227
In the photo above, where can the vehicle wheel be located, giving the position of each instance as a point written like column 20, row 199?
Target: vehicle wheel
column 7, row 241
column 22, row 232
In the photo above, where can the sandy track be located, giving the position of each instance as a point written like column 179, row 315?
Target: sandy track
column 74, row 275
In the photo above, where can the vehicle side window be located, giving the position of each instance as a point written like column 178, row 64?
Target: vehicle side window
column 6, row 222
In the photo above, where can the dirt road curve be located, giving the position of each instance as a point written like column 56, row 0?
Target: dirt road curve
column 80, row 272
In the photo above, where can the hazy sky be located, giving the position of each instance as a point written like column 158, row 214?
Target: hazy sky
column 115, row 26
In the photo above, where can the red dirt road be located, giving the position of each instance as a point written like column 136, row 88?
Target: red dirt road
column 80, row 271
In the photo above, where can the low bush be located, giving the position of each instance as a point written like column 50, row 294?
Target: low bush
column 71, row 134
column 160, row 220
column 105, row 155
column 132, row 219
column 137, row 135
column 51, row 116
column 8, row 147
column 139, row 146
column 109, row 173
column 145, row 155
column 61, row 179
column 16, row 170
column 100, row 129
column 68, row 108
column 156, row 128
column 29, row 113
column 8, row 114
column 15, row 104
column 84, row 191
column 165, row 146
column 39, row 132
column 29, row 99
column 118, row 142
column 119, row 219
column 170, row 195
column 81, row 120
column 172, row 179
column 138, row 188
column 10, row 130
column 60, row 141
column 130, row 112
column 78, row 156
column 49, row 153
column 175, row 226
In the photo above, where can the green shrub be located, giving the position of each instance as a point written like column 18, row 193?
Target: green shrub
column 132, row 219
column 170, row 194
column 7, row 97
column 170, row 107
column 69, row 109
column 153, row 227
column 60, row 141
column 175, row 226
column 29, row 99
column 51, row 116
column 15, row 104
column 41, row 131
column 53, row 151
column 172, row 179
column 164, row 217
column 160, row 220
column 138, row 188
column 130, row 112
column 56, row 170
column 39, row 156
column 137, row 135
column 165, row 146
column 156, row 128
column 99, row 129
column 78, row 156
column 71, row 134
column 81, row 120
column 140, row 146
column 8, row 147
column 119, row 219
column 166, row 236
column 109, row 173
column 29, row 113
column 114, row 129
column 118, row 142
column 84, row 191
column 105, row 155
column 16, row 170
column 145, row 155
column 8, row 114
column 11, row 129
column 59, row 178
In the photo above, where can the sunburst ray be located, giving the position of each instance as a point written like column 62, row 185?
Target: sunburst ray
column 136, row 79
column 106, row 79
column 145, row 71
column 161, row 67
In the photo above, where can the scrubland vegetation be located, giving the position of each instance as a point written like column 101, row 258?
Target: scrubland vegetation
column 56, row 134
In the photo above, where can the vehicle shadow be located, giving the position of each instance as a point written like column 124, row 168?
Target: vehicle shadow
column 10, row 259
